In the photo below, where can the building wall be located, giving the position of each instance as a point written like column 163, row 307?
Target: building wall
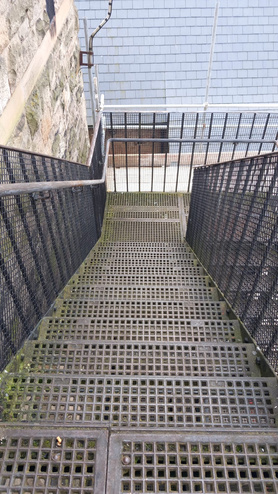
column 42, row 104
column 154, row 52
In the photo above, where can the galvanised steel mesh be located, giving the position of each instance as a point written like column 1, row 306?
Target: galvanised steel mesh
column 22, row 166
column 167, row 166
column 44, row 237
column 170, row 462
column 233, row 229
column 192, row 125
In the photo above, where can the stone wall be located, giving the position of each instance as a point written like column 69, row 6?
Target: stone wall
column 53, row 120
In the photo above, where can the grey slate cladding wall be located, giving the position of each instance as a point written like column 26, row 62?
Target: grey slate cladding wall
column 157, row 51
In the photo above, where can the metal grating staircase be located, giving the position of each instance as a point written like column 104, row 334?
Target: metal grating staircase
column 144, row 373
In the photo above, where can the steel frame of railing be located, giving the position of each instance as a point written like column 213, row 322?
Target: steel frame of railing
column 32, row 187
column 180, row 143
column 46, row 230
column 38, row 207
column 232, row 127
column 233, row 229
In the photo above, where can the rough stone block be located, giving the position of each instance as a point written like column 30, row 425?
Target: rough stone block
column 5, row 92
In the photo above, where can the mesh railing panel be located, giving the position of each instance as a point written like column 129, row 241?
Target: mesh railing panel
column 21, row 166
column 233, row 229
column 193, row 125
column 163, row 166
column 216, row 125
column 44, row 237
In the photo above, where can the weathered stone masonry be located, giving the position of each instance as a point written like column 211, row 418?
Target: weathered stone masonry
column 42, row 106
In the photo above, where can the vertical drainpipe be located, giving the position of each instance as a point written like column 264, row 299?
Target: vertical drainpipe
column 98, row 28
column 90, row 56
column 90, row 75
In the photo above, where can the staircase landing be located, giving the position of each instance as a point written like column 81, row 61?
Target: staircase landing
column 143, row 372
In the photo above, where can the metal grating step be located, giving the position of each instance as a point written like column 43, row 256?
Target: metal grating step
column 142, row 209
column 140, row 231
column 140, row 279
column 153, row 330
column 147, row 213
column 115, row 223
column 146, row 216
column 171, row 248
column 186, row 199
column 144, row 199
column 140, row 402
column 140, row 355
column 135, row 270
column 98, row 292
column 136, row 359
column 31, row 462
column 103, row 255
column 143, row 309
column 237, row 463
column 128, row 262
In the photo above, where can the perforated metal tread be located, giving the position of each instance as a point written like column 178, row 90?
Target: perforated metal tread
column 172, row 248
column 142, row 231
column 147, row 269
column 31, row 462
column 141, row 402
column 138, row 317
column 141, row 250
column 126, row 256
column 143, row 309
column 98, row 292
column 52, row 328
column 139, row 279
column 147, row 217
column 137, row 359
column 147, row 213
column 139, row 199
column 222, row 463
column 127, row 262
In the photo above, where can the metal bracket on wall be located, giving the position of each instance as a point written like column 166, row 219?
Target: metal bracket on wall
column 89, row 63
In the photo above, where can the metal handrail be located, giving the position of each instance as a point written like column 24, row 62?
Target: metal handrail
column 204, row 105
column 31, row 187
